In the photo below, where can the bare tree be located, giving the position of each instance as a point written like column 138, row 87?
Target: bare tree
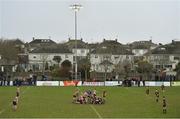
column 43, row 59
column 57, row 59
column 106, row 64
column 123, row 68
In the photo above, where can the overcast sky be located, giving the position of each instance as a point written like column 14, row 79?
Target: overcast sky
column 126, row 20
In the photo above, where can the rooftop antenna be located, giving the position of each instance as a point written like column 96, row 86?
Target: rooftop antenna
column 116, row 37
column 80, row 35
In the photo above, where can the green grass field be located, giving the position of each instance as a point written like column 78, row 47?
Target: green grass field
column 56, row 102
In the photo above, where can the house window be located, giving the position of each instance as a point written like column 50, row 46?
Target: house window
column 168, row 66
column 34, row 57
column 93, row 66
column 96, row 67
column 104, row 47
column 176, row 58
column 106, row 58
column 116, row 57
column 158, row 66
column 82, row 51
column 127, row 57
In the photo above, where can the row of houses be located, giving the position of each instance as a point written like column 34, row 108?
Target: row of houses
column 103, row 56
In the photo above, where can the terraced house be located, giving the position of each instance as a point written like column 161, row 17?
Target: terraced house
column 78, row 45
column 166, row 56
column 43, row 58
column 106, row 56
column 139, row 48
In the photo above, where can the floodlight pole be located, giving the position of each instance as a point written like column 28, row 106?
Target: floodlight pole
column 76, row 66
column 76, row 8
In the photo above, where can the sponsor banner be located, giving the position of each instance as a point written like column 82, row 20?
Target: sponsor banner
column 112, row 83
column 70, row 83
column 167, row 84
column 159, row 83
column 47, row 83
column 175, row 83
column 120, row 83
column 162, row 83
column 25, row 83
column 11, row 83
column 93, row 83
column 150, row 83
column 156, row 83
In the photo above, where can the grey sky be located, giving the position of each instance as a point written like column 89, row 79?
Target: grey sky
column 127, row 20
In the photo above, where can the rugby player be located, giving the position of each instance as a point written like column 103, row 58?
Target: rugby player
column 157, row 95
column 147, row 90
column 164, row 105
column 14, row 104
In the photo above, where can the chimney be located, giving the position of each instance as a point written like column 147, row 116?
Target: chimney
column 150, row 39
column 104, row 39
column 33, row 38
column 173, row 41
column 81, row 39
column 69, row 38
column 116, row 39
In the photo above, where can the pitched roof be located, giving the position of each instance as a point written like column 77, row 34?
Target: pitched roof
column 110, row 42
column 52, row 49
column 172, row 48
column 111, row 47
column 5, row 62
column 92, row 46
column 113, row 51
column 42, row 41
column 14, row 41
column 142, row 44
column 18, row 42
column 71, row 43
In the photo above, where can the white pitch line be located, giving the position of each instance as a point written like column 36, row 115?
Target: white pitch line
column 3, row 110
column 96, row 111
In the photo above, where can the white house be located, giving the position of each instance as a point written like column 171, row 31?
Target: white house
column 39, row 57
column 111, row 51
column 114, row 59
column 139, row 48
column 165, row 56
column 79, row 47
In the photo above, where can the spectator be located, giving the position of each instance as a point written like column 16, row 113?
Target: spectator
column 42, row 77
column 8, row 80
column 1, row 80
column 143, row 82
column 34, row 79
column 4, row 80
column 138, row 82
column 16, row 81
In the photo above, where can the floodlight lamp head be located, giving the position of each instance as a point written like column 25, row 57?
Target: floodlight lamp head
column 75, row 7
